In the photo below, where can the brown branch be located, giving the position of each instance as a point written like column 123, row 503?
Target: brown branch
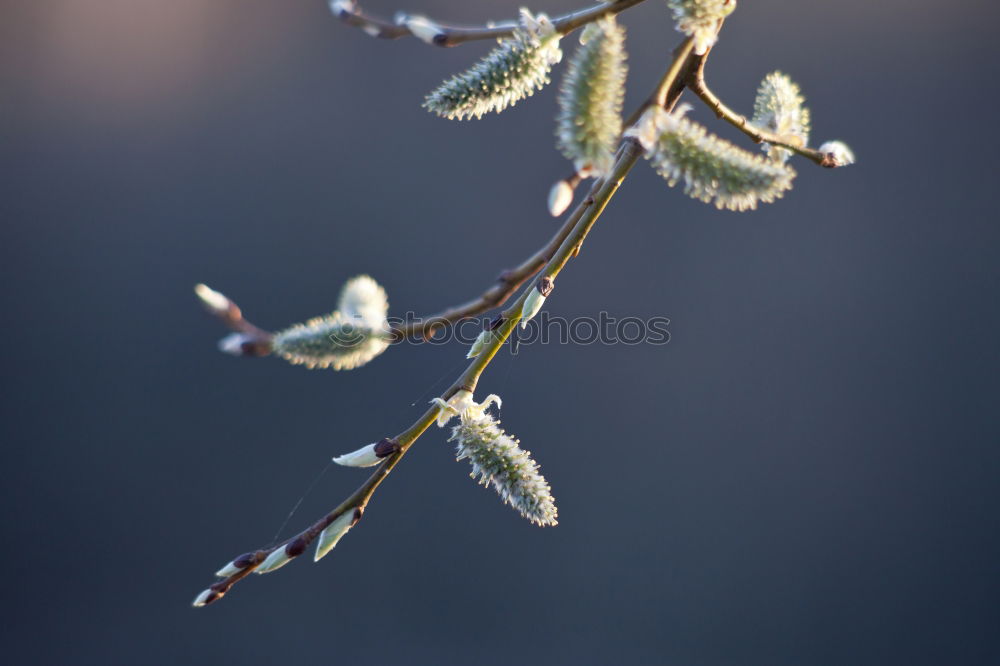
column 250, row 340
column 508, row 282
column 257, row 342
column 696, row 82
column 351, row 13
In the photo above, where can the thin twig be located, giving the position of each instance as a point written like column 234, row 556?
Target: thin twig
column 508, row 282
column 351, row 13
column 254, row 341
column 696, row 82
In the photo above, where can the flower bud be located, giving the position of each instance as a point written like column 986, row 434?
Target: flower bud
column 274, row 561
column 369, row 456
column 329, row 537
column 215, row 302
column 363, row 457
column 560, row 197
column 234, row 344
column 423, row 29
column 536, row 298
column 836, row 154
column 481, row 341
column 205, row 597
column 342, row 8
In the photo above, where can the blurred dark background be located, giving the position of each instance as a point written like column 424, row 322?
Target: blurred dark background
column 806, row 474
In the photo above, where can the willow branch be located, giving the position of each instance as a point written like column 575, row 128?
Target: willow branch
column 583, row 219
column 586, row 215
column 351, row 13
column 696, row 82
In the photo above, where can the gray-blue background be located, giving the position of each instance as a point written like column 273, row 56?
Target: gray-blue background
column 806, row 474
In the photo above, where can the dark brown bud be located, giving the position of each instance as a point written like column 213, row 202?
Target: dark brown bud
column 296, row 547
column 545, row 286
column 256, row 347
column 386, row 448
column 245, row 560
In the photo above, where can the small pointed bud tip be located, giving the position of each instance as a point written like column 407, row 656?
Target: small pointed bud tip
column 536, row 299
column 228, row 570
column 211, row 299
column 560, row 198
column 423, row 29
column 233, row 344
column 341, row 7
column 363, row 457
column 329, row 537
column 205, row 597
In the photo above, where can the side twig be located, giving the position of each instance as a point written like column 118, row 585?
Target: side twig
column 252, row 341
column 696, row 82
column 507, row 283
column 351, row 13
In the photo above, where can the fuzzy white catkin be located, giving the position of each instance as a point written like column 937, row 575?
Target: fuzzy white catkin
column 363, row 298
column 514, row 70
column 590, row 98
column 333, row 341
column 498, row 460
column 699, row 19
column 779, row 108
column 713, row 170
column 346, row 339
